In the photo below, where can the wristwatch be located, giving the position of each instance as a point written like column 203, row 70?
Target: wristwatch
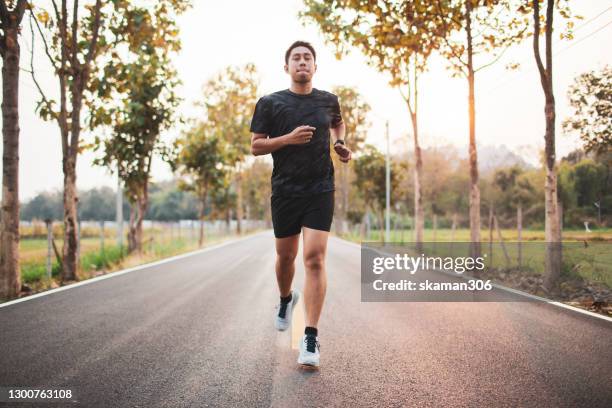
column 339, row 141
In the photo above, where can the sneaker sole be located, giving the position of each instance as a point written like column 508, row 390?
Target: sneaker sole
column 308, row 367
column 307, row 363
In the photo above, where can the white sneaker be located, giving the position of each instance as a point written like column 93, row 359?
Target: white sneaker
column 282, row 318
column 309, row 351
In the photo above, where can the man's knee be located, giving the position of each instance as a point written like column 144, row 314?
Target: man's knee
column 286, row 257
column 315, row 261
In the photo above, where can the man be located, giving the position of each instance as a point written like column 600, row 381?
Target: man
column 295, row 125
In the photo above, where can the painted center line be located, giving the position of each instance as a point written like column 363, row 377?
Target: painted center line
column 297, row 324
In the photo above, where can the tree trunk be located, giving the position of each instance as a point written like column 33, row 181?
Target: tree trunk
column 239, row 200
column 228, row 219
column 137, row 214
column 202, row 207
column 419, row 217
column 10, row 281
column 474, row 189
column 553, row 257
column 552, row 231
column 69, row 247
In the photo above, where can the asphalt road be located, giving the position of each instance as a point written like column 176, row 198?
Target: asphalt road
column 198, row 332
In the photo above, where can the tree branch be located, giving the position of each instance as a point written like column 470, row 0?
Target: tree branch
column 549, row 29
column 500, row 55
column 42, row 94
column 91, row 52
column 57, row 14
column 44, row 40
column 536, row 42
column 75, row 33
column 448, row 44
column 4, row 12
column 416, row 84
column 63, row 119
column 20, row 9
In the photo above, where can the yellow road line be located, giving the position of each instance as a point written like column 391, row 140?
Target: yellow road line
column 297, row 324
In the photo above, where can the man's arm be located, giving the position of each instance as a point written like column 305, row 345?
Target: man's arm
column 338, row 132
column 262, row 144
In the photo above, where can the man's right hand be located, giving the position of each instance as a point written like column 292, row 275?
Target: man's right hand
column 299, row 135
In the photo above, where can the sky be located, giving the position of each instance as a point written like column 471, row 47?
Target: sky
column 215, row 34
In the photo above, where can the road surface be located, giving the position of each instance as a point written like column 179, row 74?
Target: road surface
column 198, row 332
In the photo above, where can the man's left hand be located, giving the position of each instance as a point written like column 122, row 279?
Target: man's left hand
column 344, row 152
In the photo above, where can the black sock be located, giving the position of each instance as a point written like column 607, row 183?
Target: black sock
column 310, row 331
column 286, row 299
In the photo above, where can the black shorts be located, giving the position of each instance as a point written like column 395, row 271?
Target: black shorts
column 289, row 214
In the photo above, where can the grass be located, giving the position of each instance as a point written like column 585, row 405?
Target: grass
column 463, row 235
column 586, row 256
column 157, row 244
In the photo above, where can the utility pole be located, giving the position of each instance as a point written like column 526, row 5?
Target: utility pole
column 388, row 187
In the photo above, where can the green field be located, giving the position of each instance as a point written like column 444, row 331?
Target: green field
column 586, row 256
column 463, row 235
column 157, row 244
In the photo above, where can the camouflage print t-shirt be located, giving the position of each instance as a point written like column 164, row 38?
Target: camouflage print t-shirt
column 303, row 169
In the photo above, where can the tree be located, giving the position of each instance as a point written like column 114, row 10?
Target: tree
column 354, row 114
column 223, row 199
column 552, row 225
column 139, row 74
column 397, row 37
column 173, row 204
column 591, row 96
column 258, row 190
column 201, row 161
column 370, row 175
column 230, row 100
column 72, row 51
column 43, row 206
column 472, row 28
column 97, row 204
column 10, row 19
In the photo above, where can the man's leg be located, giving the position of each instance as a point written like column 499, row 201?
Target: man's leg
column 286, row 251
column 315, row 282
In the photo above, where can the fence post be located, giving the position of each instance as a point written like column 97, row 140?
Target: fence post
column 102, row 236
column 49, row 245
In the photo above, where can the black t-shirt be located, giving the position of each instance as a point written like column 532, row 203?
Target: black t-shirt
column 303, row 169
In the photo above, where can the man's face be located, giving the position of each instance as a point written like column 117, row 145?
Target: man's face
column 301, row 66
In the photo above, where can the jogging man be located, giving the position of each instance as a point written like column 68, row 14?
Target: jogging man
column 295, row 125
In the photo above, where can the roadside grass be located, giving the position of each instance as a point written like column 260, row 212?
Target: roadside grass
column 95, row 260
column 586, row 256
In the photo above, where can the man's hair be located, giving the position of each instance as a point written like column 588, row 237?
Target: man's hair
column 300, row 44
